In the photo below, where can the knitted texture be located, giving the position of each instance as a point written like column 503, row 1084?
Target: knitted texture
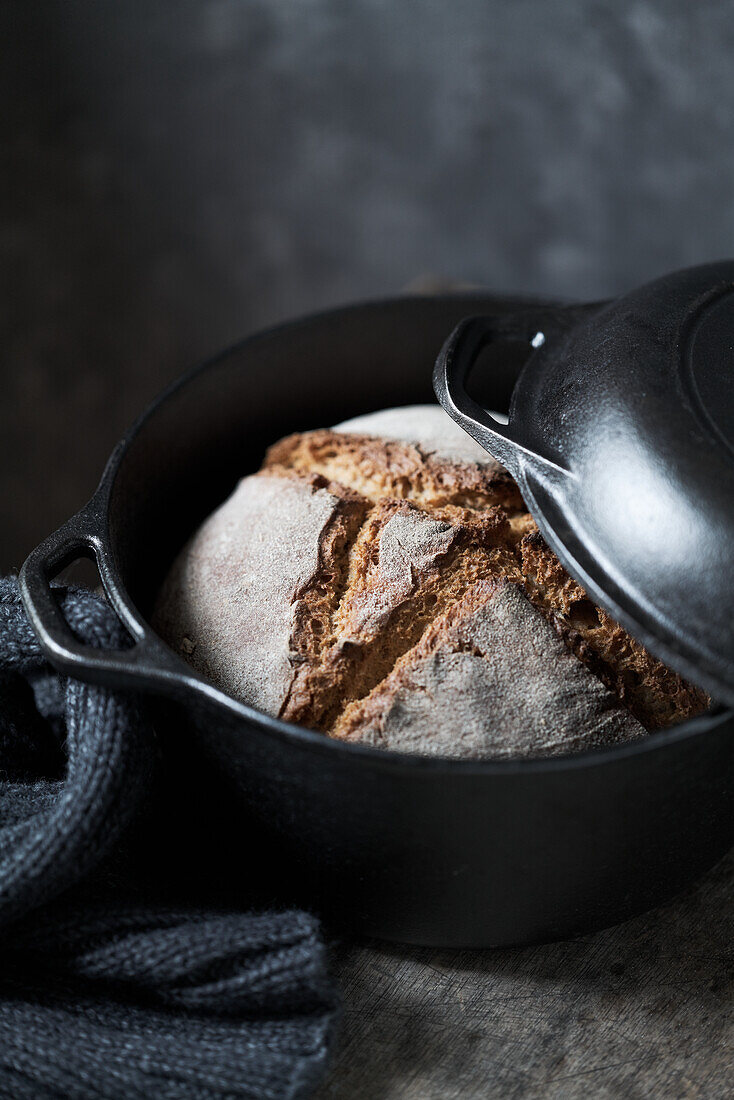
column 105, row 989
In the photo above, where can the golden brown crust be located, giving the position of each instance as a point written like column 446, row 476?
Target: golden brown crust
column 380, row 468
column 315, row 605
column 438, row 697
column 492, row 536
column 379, row 617
column 353, row 567
column 655, row 694
column 370, row 710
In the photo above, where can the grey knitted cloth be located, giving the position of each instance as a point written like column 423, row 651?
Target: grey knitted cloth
column 107, row 988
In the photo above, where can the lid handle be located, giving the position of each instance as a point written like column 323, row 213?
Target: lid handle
column 456, row 359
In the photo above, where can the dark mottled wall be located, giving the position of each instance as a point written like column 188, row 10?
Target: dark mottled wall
column 175, row 173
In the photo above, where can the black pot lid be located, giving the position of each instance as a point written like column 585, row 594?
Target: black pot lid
column 621, row 439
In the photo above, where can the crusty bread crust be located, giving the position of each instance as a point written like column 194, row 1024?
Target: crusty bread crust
column 456, row 693
column 385, row 468
column 342, row 585
column 404, row 568
column 498, row 538
column 655, row 694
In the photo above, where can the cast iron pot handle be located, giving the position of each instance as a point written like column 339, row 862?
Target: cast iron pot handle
column 460, row 353
column 147, row 664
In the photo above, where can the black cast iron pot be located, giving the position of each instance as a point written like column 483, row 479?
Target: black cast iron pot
column 427, row 851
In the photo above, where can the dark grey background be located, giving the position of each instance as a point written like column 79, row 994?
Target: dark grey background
column 176, row 173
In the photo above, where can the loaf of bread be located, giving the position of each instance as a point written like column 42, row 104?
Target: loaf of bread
column 383, row 582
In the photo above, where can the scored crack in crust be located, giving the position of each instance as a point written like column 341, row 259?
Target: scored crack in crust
column 464, row 670
column 329, row 589
column 403, row 569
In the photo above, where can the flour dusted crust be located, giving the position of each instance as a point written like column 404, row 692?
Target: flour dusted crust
column 382, row 581
column 239, row 602
column 489, row 678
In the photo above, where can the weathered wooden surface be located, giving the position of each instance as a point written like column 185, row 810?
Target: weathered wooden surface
column 645, row 1009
